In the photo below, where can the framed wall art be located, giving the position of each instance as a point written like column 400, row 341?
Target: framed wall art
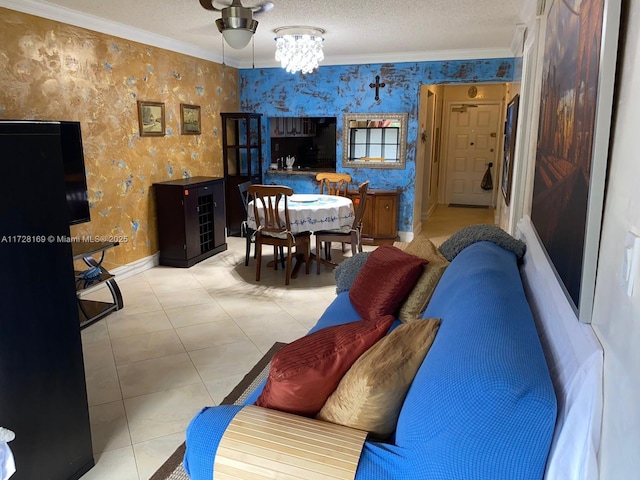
column 151, row 119
column 189, row 119
column 511, row 124
column 578, row 75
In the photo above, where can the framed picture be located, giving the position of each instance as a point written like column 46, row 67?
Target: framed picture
column 151, row 119
column 189, row 119
column 510, row 127
column 578, row 75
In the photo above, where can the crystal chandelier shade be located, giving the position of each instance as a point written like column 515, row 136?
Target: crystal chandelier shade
column 299, row 49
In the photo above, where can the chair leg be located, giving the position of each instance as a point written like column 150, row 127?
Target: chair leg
column 288, row 267
column 258, row 260
column 276, row 258
column 318, row 254
column 248, row 251
column 307, row 255
column 354, row 244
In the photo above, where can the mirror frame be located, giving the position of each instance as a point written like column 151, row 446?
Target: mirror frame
column 349, row 117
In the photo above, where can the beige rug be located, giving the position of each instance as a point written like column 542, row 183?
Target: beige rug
column 172, row 469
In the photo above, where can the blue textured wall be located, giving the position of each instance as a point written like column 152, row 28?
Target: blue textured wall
column 334, row 90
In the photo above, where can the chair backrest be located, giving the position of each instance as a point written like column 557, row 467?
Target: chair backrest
column 361, row 200
column 243, row 188
column 334, row 183
column 268, row 202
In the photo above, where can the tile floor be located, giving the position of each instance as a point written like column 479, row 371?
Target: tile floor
column 186, row 337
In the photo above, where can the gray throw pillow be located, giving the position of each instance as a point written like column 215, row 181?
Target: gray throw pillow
column 478, row 233
column 348, row 270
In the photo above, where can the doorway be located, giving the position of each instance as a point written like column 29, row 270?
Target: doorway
column 440, row 180
column 472, row 149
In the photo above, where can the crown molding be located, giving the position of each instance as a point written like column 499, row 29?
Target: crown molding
column 91, row 22
column 400, row 57
column 97, row 24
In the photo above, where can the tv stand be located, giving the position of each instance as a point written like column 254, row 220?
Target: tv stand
column 91, row 311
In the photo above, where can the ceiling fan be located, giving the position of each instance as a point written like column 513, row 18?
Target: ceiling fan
column 237, row 24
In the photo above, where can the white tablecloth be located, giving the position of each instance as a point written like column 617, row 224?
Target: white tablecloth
column 314, row 212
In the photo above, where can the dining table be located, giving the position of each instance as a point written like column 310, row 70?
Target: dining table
column 312, row 213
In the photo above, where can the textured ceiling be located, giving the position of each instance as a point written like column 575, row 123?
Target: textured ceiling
column 357, row 31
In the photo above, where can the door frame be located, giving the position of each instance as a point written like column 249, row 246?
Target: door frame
column 444, row 144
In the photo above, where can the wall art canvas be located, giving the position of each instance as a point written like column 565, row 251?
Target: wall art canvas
column 573, row 133
column 510, row 127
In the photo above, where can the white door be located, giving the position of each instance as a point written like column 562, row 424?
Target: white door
column 471, row 146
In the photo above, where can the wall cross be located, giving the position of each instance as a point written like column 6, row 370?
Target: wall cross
column 377, row 86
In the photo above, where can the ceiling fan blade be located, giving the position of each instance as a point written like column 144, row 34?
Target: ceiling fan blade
column 265, row 7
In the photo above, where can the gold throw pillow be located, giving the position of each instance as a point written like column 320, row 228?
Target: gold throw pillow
column 370, row 395
column 416, row 302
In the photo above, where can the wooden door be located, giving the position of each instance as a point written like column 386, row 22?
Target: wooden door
column 471, row 146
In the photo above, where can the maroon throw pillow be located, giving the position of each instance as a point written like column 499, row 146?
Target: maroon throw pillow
column 385, row 280
column 304, row 373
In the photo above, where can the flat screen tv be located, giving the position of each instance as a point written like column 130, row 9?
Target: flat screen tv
column 74, row 174
column 69, row 138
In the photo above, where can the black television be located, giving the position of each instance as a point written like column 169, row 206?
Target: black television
column 47, row 135
column 75, row 179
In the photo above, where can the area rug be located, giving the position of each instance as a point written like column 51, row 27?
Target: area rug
column 173, row 469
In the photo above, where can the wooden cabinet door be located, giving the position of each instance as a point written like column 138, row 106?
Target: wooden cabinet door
column 385, row 221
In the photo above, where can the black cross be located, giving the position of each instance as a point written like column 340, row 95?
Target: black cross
column 377, row 86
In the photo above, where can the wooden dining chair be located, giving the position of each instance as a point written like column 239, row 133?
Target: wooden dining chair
column 270, row 204
column 332, row 183
column 245, row 231
column 354, row 236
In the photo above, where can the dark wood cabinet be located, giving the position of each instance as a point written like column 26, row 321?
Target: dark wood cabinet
column 380, row 220
column 43, row 395
column 242, row 159
column 191, row 219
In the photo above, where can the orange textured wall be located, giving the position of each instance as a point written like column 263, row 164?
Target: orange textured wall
column 54, row 71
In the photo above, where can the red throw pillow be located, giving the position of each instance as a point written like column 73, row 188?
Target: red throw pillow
column 385, row 280
column 304, row 373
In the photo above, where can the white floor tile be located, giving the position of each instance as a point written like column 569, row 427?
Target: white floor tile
column 115, row 464
column 225, row 360
column 121, row 325
column 183, row 298
column 210, row 334
column 109, row 429
column 146, row 346
column 157, row 374
column 166, row 412
column 150, row 455
column 196, row 314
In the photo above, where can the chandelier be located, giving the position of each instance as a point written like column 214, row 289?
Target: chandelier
column 299, row 48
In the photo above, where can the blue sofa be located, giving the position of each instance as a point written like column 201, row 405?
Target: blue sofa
column 482, row 405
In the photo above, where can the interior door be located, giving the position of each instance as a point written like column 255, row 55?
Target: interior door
column 471, row 147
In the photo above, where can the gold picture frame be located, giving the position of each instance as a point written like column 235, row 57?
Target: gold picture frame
column 189, row 119
column 151, row 119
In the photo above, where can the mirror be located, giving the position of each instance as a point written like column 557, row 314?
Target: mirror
column 374, row 140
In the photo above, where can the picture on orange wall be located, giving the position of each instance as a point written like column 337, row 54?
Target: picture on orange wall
column 189, row 119
column 151, row 119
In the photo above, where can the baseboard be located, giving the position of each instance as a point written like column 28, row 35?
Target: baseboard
column 137, row 266
column 128, row 270
column 406, row 236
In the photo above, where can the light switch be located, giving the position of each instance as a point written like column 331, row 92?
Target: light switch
column 630, row 261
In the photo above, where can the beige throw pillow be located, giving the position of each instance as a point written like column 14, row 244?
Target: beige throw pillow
column 370, row 395
column 416, row 302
